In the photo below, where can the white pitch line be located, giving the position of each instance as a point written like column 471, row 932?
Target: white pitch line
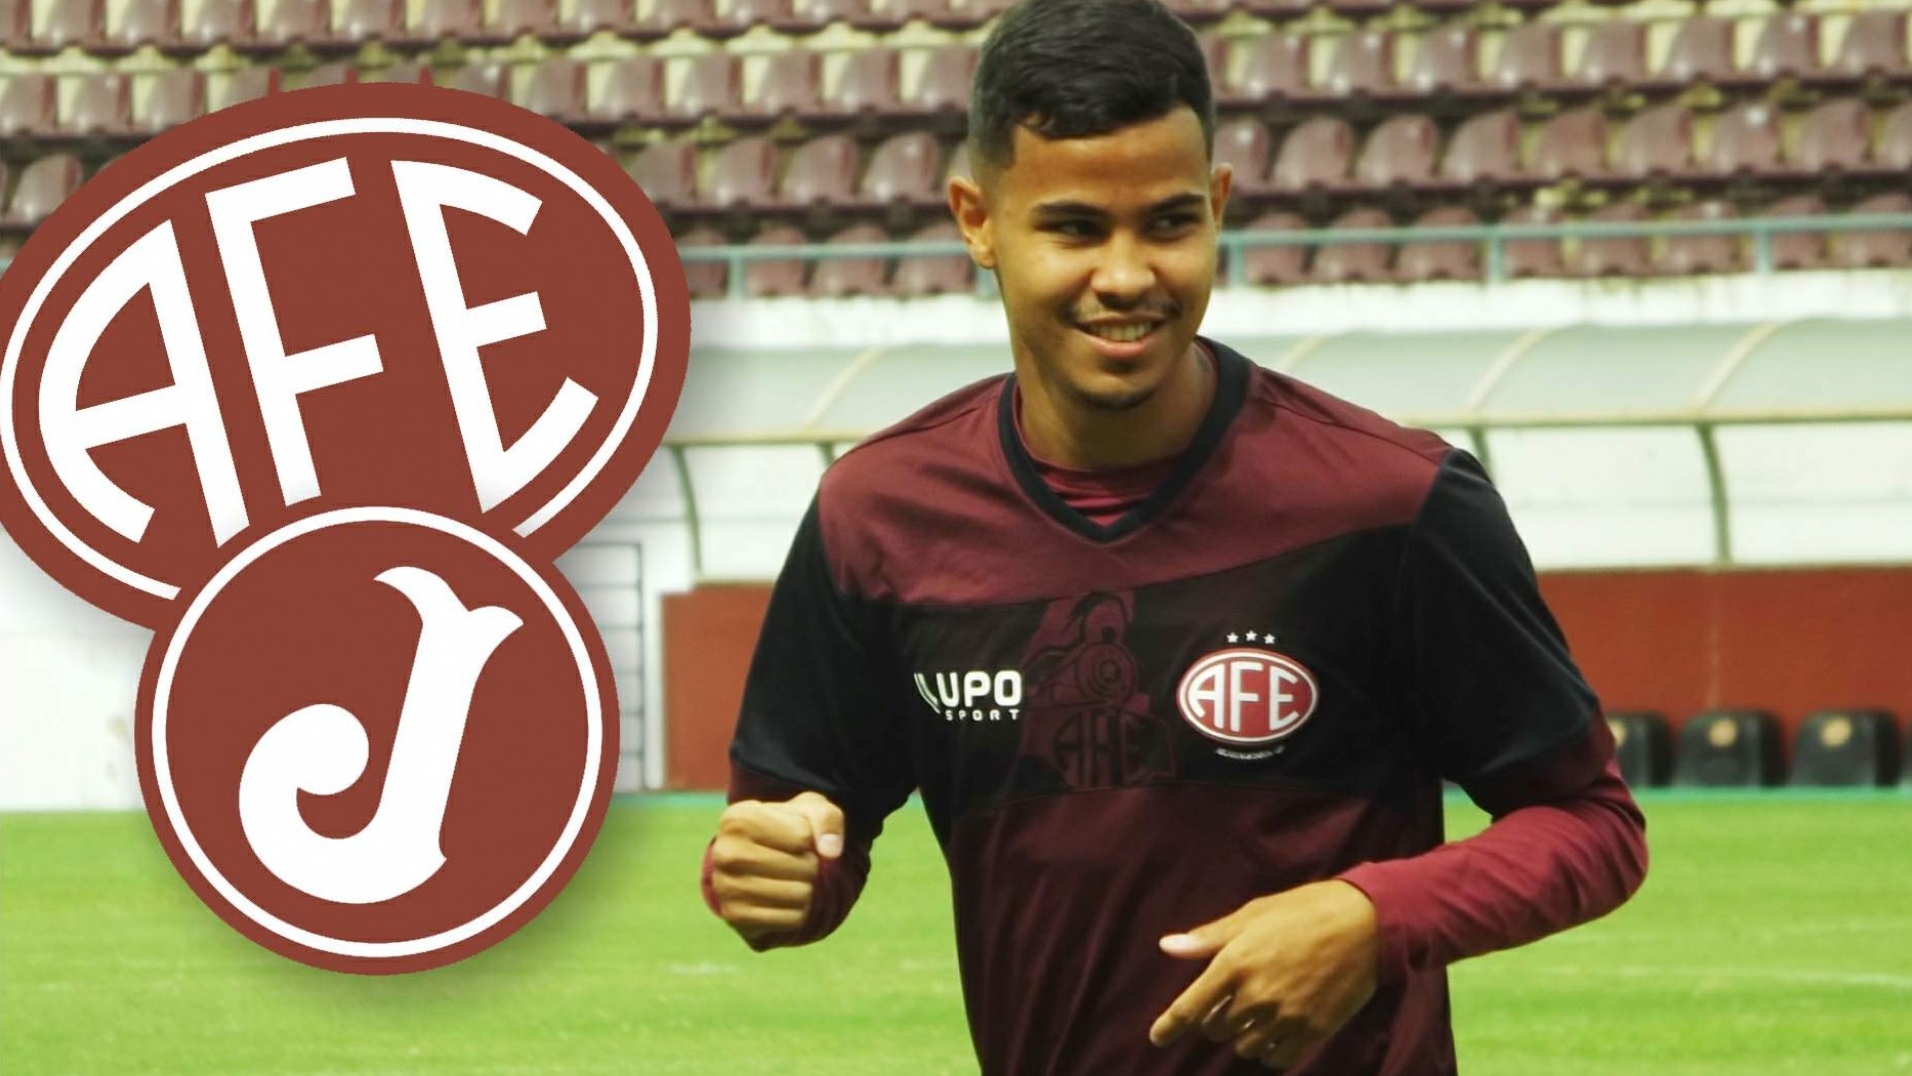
column 1820, row 978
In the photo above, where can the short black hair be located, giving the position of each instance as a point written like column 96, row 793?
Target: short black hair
column 1082, row 68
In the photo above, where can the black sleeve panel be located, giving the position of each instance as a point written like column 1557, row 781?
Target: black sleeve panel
column 1495, row 696
column 817, row 710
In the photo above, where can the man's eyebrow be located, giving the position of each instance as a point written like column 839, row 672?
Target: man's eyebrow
column 1185, row 200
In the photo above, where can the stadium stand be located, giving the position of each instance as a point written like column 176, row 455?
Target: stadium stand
column 667, row 172
column 1368, row 262
column 1690, row 255
column 1533, row 257
column 1878, row 249
column 1873, row 48
column 821, row 174
column 1572, row 145
column 776, row 277
column 1446, row 63
column 1530, row 59
column 371, row 20
column 1788, row 47
column 29, row 106
column 1657, row 144
column 712, row 86
column 1746, row 142
column 1614, row 57
column 1362, row 66
column 1845, row 748
column 1315, row 156
column 1643, row 746
column 1270, row 68
column 1485, row 151
column 1613, row 255
column 633, row 94
column 742, row 177
column 1834, row 137
column 1272, row 265
column 1728, row 748
column 1440, row 259
column 839, row 277
column 1400, row 153
column 708, row 279
column 1701, row 52
column 905, row 171
column 934, row 274
column 1798, row 250
column 42, row 186
column 102, row 107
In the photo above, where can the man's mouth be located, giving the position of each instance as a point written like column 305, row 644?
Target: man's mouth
column 1120, row 332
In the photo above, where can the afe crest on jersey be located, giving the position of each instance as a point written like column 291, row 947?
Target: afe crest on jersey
column 1247, row 695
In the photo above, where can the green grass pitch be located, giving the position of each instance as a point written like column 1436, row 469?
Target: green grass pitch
column 1773, row 936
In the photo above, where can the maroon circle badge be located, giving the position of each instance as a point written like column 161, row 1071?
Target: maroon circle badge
column 318, row 387
column 1247, row 696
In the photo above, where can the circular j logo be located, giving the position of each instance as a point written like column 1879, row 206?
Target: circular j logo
column 318, row 387
column 1247, row 696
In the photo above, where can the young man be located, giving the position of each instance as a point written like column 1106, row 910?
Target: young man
column 1178, row 650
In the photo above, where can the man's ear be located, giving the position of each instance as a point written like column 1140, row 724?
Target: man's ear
column 1220, row 181
column 971, row 210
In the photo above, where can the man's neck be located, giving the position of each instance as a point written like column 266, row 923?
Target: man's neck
column 1065, row 431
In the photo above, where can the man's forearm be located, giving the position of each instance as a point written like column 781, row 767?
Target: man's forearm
column 838, row 883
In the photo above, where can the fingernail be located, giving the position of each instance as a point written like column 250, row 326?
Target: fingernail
column 830, row 845
column 1173, row 942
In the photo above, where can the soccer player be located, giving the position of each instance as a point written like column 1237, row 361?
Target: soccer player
column 1177, row 649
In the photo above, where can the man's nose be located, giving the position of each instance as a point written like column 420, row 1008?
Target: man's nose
column 1124, row 274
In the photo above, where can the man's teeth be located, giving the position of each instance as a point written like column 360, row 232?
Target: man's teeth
column 1122, row 334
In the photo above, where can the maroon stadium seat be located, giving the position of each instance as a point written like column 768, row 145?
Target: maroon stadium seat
column 102, row 106
column 490, row 79
column 958, row 163
column 1276, row 9
column 1315, row 155
column 667, row 173
column 16, row 28
column 1532, row 257
column 1200, row 12
column 1691, row 255
column 885, row 16
column 444, row 20
column 29, row 106
column 781, row 277
column 1745, row 141
column 732, row 17
column 707, row 280
column 1273, row 67
column 371, row 20
column 1275, row 265
column 965, row 14
column 141, row 23
column 587, row 17
column 1871, row 249
column 408, row 73
column 791, row 86
column 42, row 186
column 67, row 24
column 328, row 74
column 1440, row 259
column 1243, row 144
column 1894, row 152
column 1656, row 144
column 1874, row 46
column 1834, row 137
column 810, row 16
column 1572, row 144
column 1399, row 153
column 178, row 96
column 1362, row 65
column 1343, row 263
column 524, row 18
column 822, row 172
column 556, row 89
column 633, row 92
column 298, row 22
column 233, row 23
column 906, row 170
column 1615, row 55
column 1616, row 255
column 245, row 84
column 934, row 274
column 1448, row 61
column 1485, row 149
column 1214, row 49
column 1702, row 51
column 1529, row 58
column 942, row 88
column 713, row 86
column 743, row 176
column 660, row 18
column 1798, row 250
column 1788, row 47
column 835, row 278
column 867, row 86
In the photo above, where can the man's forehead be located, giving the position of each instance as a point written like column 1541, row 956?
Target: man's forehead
column 1138, row 165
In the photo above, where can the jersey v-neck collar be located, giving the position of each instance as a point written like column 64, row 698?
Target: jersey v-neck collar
column 1231, row 388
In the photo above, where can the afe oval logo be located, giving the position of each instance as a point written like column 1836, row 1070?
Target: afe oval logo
column 351, row 295
column 1247, row 696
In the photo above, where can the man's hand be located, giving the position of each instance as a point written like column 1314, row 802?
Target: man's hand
column 1286, row 972
column 765, row 858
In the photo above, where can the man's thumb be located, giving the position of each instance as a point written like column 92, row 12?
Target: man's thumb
column 826, row 822
column 1202, row 942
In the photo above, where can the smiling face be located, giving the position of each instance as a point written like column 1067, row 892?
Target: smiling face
column 1104, row 248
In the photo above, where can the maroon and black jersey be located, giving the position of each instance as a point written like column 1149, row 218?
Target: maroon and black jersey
column 1256, row 678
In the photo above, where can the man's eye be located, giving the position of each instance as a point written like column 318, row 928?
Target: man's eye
column 1073, row 229
column 1176, row 222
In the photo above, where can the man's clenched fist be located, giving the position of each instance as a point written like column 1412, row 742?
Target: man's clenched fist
column 764, row 861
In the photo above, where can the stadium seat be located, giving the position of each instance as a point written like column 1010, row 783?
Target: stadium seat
column 1316, row 155
column 1244, row 145
column 1701, row 52
column 1532, row 257
column 733, row 17
column 141, row 23
column 408, row 73
column 958, row 163
column 102, row 107
column 1692, row 255
column 1447, row 62
column 1276, row 9
column 888, row 16
column 707, row 280
column 809, row 16
column 178, row 96
column 1572, row 145
column 1484, row 150
column 742, row 177
column 1272, row 67
column 1399, row 153
column 1362, row 65
column 654, row 19
column 210, row 23
column 245, row 84
column 1215, row 52
column 1846, row 748
column 29, row 106
column 779, row 277
column 1728, row 749
column 1657, row 144
column 1787, row 47
column 1626, row 256
column 306, row 23
column 516, row 19
column 451, row 21
column 712, row 86
column 1440, row 259
column 1529, row 60
column 1798, row 250
column 371, row 20
column 1877, row 249
column 667, row 174
column 791, row 86
column 575, row 21
column 67, row 24
column 330, row 74
column 934, row 274
column 1366, row 262
column 866, row 88
column 906, row 170
column 556, row 89
column 1874, row 47
column 490, row 79
column 964, row 14
column 633, row 93
column 1746, row 142
column 1835, row 136
column 1615, row 56
column 1263, row 266
column 1200, row 12
column 821, row 173
column 835, row 278
column 942, row 87
column 1643, row 746
column 42, row 186
column 1894, row 151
